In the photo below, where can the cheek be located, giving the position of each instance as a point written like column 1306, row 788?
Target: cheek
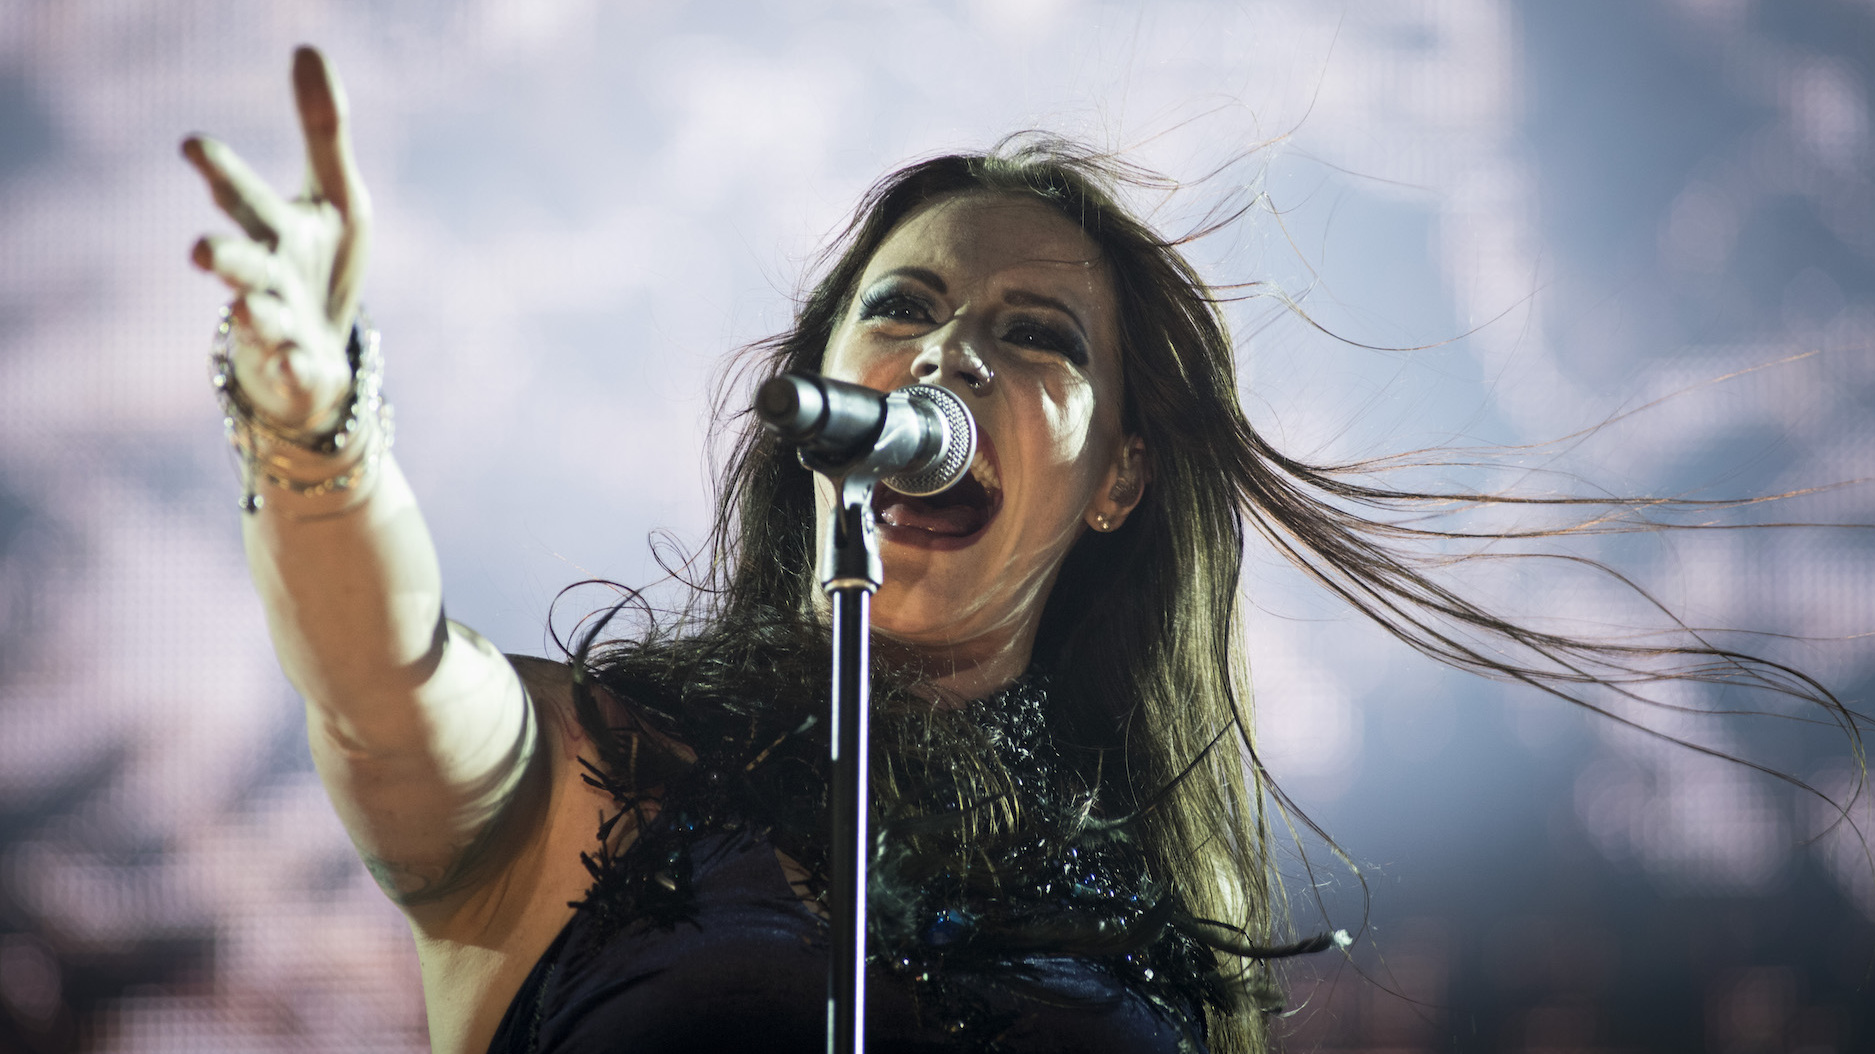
column 848, row 359
column 1067, row 418
column 837, row 361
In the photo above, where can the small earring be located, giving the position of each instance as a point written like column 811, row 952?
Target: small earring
column 1102, row 523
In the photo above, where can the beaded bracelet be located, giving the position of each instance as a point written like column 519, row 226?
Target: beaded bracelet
column 262, row 446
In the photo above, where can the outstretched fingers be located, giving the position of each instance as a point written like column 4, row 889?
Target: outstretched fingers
column 297, row 272
column 332, row 176
column 332, row 170
column 255, row 276
column 244, row 265
column 244, row 196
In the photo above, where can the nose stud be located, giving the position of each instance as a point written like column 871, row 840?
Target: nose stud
column 978, row 374
column 949, row 357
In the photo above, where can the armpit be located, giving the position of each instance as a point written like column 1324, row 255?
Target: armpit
column 645, row 757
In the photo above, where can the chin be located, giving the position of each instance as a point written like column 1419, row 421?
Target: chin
column 914, row 613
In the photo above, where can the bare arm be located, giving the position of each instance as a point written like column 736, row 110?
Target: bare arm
column 420, row 729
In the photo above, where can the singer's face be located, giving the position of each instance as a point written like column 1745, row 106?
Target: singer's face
column 1007, row 304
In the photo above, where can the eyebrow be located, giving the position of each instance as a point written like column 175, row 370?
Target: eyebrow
column 1024, row 298
column 928, row 277
column 1015, row 297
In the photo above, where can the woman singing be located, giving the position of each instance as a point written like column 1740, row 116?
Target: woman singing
column 627, row 851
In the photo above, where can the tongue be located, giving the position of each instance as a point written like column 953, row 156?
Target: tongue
column 957, row 520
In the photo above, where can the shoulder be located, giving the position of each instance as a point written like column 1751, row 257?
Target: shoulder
column 478, row 948
column 549, row 686
column 528, row 863
column 543, row 677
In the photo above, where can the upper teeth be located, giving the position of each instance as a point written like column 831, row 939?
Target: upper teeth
column 984, row 472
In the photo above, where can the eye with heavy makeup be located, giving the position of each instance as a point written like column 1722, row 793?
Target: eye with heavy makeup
column 900, row 304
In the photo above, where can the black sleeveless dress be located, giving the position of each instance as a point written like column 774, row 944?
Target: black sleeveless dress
column 750, row 974
column 692, row 939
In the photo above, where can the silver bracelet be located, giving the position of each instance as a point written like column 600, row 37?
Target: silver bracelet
column 262, row 446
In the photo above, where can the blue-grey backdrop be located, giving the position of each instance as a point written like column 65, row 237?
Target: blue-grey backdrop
column 1571, row 209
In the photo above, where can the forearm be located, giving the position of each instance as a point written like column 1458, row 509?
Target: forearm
column 353, row 598
column 420, row 727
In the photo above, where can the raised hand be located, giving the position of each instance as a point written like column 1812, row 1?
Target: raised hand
column 297, row 271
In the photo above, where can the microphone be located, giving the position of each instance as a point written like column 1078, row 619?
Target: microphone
column 920, row 438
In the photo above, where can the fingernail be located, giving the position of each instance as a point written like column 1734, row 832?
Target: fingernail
column 197, row 148
column 202, row 254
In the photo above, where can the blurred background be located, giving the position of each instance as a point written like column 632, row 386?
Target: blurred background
column 1572, row 210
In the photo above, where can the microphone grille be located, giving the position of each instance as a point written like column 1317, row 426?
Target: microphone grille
column 959, row 443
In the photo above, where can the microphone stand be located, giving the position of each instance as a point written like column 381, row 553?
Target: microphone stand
column 856, row 436
column 850, row 571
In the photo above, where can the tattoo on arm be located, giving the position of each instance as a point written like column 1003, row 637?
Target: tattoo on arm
column 410, row 886
column 413, row 885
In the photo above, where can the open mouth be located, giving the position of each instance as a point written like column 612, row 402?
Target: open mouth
column 950, row 519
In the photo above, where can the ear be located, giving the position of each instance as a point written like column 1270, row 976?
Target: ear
column 1123, row 487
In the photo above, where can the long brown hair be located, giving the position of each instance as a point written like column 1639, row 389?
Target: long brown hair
column 1143, row 632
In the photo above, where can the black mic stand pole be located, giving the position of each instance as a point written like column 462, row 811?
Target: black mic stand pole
column 849, row 434
column 850, row 572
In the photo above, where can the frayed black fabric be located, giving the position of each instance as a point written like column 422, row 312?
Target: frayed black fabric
column 1013, row 906
column 1062, row 879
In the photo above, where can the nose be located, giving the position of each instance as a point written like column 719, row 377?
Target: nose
column 948, row 354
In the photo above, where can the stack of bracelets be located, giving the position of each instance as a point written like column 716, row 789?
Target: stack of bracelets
column 264, row 448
